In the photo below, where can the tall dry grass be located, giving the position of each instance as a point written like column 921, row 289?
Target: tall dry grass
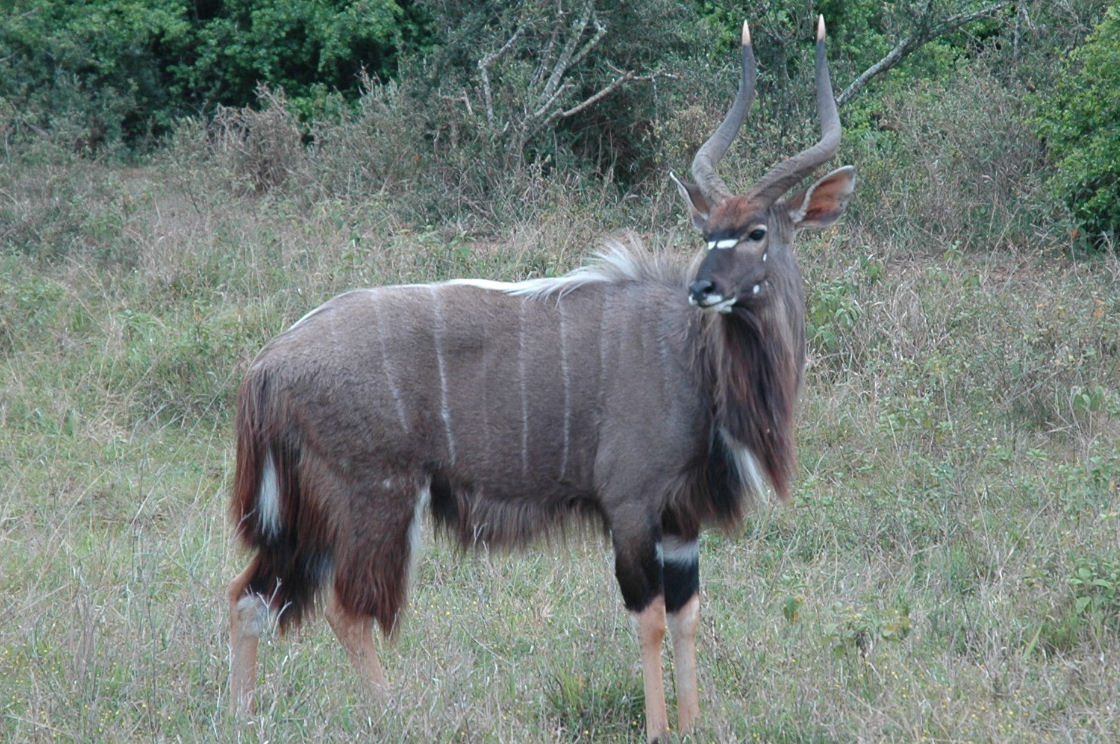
column 949, row 571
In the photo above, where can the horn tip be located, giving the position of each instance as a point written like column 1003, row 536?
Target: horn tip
column 746, row 34
column 820, row 27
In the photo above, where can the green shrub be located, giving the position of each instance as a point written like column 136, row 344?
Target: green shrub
column 88, row 72
column 99, row 73
column 1080, row 121
column 308, row 47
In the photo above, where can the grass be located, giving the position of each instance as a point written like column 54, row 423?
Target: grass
column 949, row 570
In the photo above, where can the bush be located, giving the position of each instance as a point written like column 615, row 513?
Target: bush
column 310, row 48
column 1080, row 123
column 571, row 83
column 87, row 72
column 262, row 147
column 107, row 71
column 950, row 164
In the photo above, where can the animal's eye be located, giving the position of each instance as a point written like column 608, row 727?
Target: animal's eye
column 756, row 234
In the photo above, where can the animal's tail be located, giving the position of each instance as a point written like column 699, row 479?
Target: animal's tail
column 290, row 564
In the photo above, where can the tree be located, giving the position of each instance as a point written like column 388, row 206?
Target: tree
column 87, row 71
column 1079, row 121
column 926, row 27
column 307, row 47
column 112, row 70
column 540, row 78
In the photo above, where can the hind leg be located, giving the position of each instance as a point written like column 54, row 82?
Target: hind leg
column 248, row 616
column 355, row 633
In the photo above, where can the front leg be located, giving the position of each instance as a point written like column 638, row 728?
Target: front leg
column 638, row 569
column 682, row 601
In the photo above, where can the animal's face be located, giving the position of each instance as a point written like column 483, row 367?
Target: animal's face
column 749, row 242
column 742, row 243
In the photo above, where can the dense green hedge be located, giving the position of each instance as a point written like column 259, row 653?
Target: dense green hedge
column 122, row 70
column 112, row 70
column 1080, row 123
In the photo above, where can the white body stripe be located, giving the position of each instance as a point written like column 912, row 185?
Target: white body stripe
column 615, row 261
column 666, row 359
column 521, row 369
column 488, row 284
column 307, row 315
column 604, row 341
column 444, row 403
column 390, row 376
column 567, row 396
column 268, row 499
column 533, row 287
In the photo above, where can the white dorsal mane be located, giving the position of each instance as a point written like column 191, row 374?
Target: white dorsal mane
column 618, row 261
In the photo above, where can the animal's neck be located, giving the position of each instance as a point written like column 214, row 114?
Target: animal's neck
column 755, row 366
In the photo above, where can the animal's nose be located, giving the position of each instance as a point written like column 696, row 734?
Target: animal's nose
column 700, row 289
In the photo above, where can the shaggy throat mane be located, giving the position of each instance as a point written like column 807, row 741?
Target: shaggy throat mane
column 755, row 367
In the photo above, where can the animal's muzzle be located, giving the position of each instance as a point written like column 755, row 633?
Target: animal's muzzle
column 702, row 294
column 700, row 291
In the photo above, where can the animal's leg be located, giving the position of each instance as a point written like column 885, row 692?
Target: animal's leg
column 682, row 626
column 637, row 566
column 355, row 633
column 682, row 600
column 248, row 615
column 651, row 631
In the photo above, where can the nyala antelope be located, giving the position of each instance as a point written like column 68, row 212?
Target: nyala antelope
column 653, row 397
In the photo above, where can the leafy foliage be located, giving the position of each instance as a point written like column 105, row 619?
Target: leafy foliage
column 90, row 71
column 113, row 70
column 1080, row 121
column 459, row 104
column 307, row 47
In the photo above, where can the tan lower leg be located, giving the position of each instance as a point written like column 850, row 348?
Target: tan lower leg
column 651, row 631
column 355, row 633
column 682, row 626
column 248, row 616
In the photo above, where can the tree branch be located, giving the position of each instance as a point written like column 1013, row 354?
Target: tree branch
column 566, row 60
column 603, row 92
column 908, row 45
column 483, row 71
column 570, row 55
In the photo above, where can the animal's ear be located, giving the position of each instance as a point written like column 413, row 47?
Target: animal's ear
column 698, row 207
column 822, row 203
